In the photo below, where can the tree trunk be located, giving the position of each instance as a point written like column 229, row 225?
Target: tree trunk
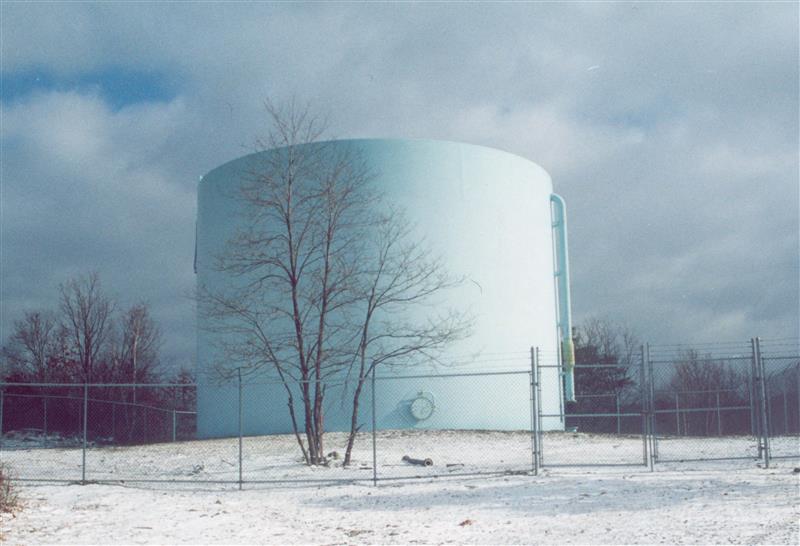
column 294, row 424
column 313, row 452
column 319, row 424
column 356, row 397
column 353, row 423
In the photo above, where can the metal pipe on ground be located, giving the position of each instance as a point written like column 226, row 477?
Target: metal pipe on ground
column 418, row 462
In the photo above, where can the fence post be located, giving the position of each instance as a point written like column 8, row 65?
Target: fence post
column 763, row 423
column 755, row 404
column 540, row 425
column 652, row 408
column 764, row 401
column 174, row 425
column 719, row 417
column 534, row 424
column 239, row 374
column 619, row 424
column 797, row 399
column 85, row 426
column 643, row 397
column 374, row 434
column 44, row 418
column 677, row 415
column 751, row 386
column 2, row 396
column 785, row 410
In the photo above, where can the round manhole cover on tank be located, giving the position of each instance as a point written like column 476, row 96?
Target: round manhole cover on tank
column 422, row 406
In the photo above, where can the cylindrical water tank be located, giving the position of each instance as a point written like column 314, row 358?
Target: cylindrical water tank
column 487, row 213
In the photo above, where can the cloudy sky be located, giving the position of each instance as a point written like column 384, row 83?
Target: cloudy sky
column 671, row 130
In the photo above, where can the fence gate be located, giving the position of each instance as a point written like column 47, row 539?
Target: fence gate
column 674, row 403
column 704, row 406
column 781, row 369
column 606, row 425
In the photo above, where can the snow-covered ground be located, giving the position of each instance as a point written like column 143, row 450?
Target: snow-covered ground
column 708, row 502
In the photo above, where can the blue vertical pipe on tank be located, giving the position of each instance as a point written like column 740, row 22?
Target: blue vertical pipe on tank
column 564, row 302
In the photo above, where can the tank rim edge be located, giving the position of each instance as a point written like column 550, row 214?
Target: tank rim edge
column 542, row 170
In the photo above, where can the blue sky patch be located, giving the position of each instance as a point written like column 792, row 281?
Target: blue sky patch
column 120, row 87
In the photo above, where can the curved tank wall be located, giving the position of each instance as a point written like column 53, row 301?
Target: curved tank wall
column 488, row 214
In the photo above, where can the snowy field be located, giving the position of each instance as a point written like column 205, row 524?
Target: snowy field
column 708, row 502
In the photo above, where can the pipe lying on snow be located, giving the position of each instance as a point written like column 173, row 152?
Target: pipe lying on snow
column 419, row 462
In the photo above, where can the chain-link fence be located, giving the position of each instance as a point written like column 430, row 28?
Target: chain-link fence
column 664, row 404
column 429, row 426
column 680, row 403
column 52, row 431
column 725, row 401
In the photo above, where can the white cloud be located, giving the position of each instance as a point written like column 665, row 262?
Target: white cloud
column 84, row 188
column 677, row 155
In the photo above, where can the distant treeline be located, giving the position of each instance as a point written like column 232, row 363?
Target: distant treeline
column 87, row 338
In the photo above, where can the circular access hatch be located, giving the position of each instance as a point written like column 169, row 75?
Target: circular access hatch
column 422, row 407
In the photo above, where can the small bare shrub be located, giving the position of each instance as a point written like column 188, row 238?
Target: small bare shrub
column 8, row 497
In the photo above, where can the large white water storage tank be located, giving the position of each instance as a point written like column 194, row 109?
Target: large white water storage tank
column 489, row 215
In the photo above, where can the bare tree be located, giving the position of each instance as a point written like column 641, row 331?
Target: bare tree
column 400, row 277
column 86, row 342
column 610, row 346
column 703, row 383
column 136, row 349
column 304, row 266
column 302, row 206
column 133, row 358
column 86, row 315
column 35, row 347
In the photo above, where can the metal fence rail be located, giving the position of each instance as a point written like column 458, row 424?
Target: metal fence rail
column 668, row 404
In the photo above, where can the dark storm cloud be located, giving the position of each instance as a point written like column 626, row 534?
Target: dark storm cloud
column 671, row 129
